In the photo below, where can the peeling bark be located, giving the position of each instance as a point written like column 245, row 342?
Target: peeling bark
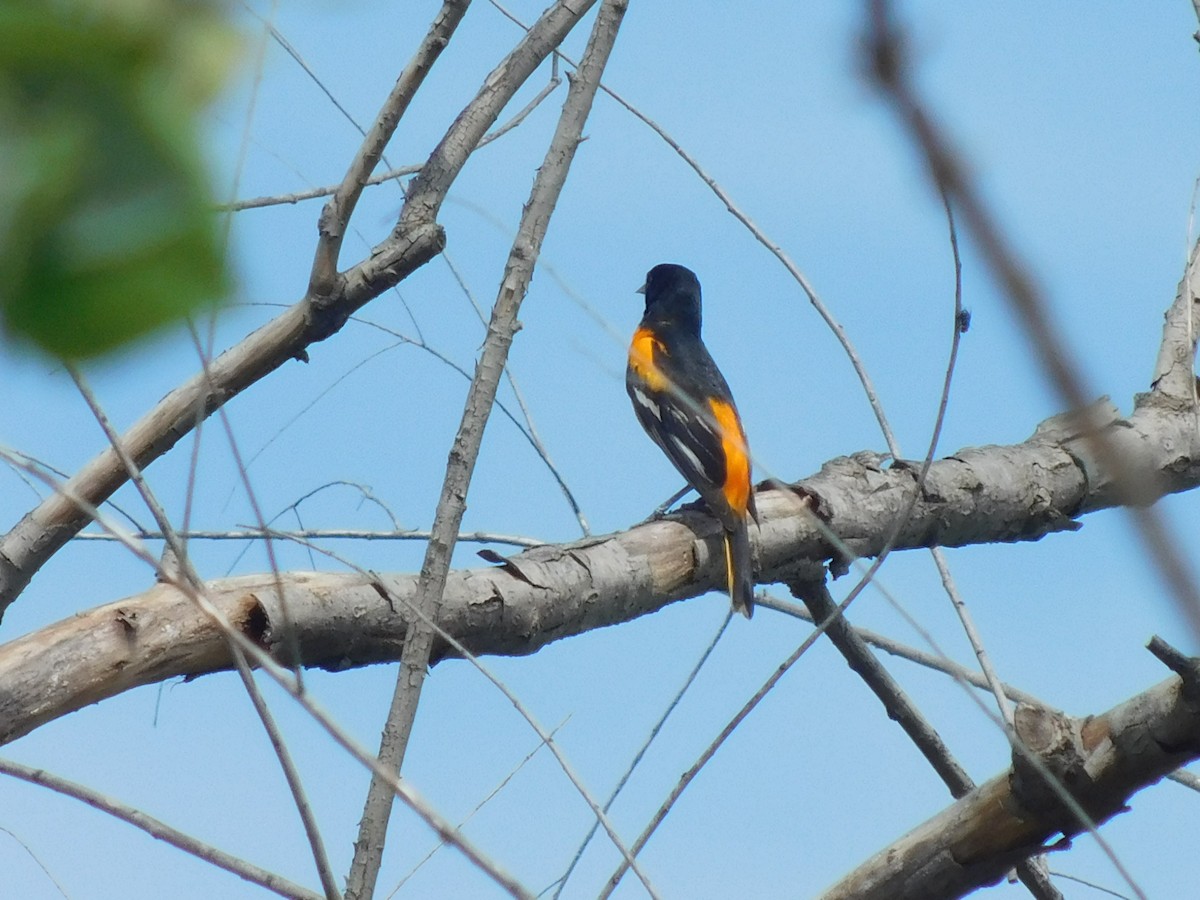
column 978, row 495
column 1101, row 760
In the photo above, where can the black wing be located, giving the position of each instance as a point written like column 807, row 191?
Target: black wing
column 680, row 421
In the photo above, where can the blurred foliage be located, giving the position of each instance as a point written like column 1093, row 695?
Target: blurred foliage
column 107, row 229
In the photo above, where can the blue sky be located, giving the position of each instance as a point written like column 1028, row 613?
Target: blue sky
column 1078, row 125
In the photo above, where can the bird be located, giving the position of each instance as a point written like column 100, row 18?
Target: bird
column 684, row 404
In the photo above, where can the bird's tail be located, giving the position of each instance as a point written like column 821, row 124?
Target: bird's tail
column 738, row 572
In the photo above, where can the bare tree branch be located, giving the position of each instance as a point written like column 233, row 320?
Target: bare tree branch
column 529, row 429
column 896, row 702
column 494, row 792
column 314, row 534
column 415, row 240
column 978, row 495
column 1103, row 760
column 37, row 860
column 939, row 663
column 245, row 640
column 181, row 562
column 961, row 319
column 424, row 196
column 904, row 712
column 390, row 174
column 891, row 646
column 160, row 830
column 889, row 66
column 337, row 212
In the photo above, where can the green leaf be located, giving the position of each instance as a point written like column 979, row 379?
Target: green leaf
column 106, row 223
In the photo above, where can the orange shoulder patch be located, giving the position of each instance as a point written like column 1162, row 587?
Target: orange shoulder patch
column 641, row 359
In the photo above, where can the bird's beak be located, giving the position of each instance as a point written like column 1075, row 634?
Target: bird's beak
column 641, row 290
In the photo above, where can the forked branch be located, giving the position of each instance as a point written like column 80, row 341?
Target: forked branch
column 415, row 240
column 1103, row 760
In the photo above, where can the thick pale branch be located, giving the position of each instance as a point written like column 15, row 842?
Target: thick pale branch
column 904, row 712
column 1102, row 760
column 1174, row 375
column 979, row 495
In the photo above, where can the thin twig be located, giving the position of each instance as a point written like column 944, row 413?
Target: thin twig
column 972, row 633
column 41, row 865
column 299, row 59
column 425, row 192
column 288, row 633
column 941, row 664
column 903, row 651
column 159, row 830
column 525, row 429
column 1095, row 887
column 889, row 67
column 710, row 751
column 367, row 495
column 239, row 166
column 256, row 534
column 904, row 712
column 286, row 680
column 292, row 775
column 340, row 207
column 312, row 193
column 815, row 595
column 491, row 795
column 775, row 249
column 34, row 462
column 182, row 564
column 637, row 757
column 939, row 558
column 530, row 429
column 390, row 174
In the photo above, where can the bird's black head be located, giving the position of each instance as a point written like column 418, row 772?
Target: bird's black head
column 673, row 297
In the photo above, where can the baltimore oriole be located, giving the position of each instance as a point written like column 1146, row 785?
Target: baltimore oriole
column 684, row 404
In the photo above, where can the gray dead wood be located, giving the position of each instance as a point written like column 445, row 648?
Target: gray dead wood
column 979, row 495
column 1103, row 760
